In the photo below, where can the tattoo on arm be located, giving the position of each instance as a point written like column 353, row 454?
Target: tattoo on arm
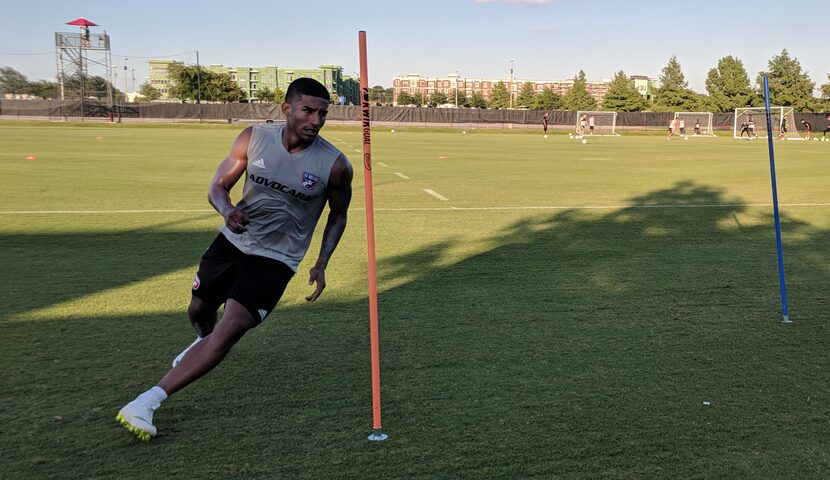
column 339, row 197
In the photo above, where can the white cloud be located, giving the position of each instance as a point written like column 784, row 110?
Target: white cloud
column 532, row 3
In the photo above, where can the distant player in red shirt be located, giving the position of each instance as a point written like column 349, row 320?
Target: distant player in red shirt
column 808, row 127
column 827, row 129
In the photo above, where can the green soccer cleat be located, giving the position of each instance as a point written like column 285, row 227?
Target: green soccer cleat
column 137, row 417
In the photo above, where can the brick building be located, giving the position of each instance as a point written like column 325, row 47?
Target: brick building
column 413, row 83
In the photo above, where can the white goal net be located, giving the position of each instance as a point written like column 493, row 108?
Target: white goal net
column 752, row 123
column 596, row 123
column 694, row 124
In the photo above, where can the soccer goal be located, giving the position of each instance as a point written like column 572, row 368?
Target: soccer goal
column 752, row 122
column 694, row 124
column 604, row 123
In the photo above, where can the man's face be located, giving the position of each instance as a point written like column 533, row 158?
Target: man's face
column 306, row 115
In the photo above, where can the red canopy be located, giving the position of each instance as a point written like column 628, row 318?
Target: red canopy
column 82, row 22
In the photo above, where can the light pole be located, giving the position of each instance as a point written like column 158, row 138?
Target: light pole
column 456, row 89
column 126, row 97
column 510, row 91
column 114, row 78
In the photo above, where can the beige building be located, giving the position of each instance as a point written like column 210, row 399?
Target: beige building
column 413, row 83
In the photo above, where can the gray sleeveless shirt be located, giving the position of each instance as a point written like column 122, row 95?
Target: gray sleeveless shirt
column 284, row 195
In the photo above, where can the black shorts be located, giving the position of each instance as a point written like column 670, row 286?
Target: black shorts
column 257, row 283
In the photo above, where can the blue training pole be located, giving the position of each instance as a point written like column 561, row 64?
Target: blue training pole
column 770, row 133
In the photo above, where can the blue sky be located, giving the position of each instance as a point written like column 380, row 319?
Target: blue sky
column 547, row 39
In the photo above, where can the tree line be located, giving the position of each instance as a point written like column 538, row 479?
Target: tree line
column 728, row 86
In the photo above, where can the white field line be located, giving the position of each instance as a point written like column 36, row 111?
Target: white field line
column 402, row 176
column 436, row 194
column 382, row 164
column 429, row 209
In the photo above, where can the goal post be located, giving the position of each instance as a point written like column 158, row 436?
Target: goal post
column 695, row 124
column 604, row 123
column 751, row 122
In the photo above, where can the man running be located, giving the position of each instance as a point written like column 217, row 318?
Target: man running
column 808, row 127
column 672, row 126
column 545, row 124
column 291, row 173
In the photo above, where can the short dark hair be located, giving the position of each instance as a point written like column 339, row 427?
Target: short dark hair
column 306, row 86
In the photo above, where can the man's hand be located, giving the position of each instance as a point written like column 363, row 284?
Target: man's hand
column 236, row 220
column 316, row 274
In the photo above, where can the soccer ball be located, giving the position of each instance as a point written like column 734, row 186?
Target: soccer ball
column 584, row 140
column 464, row 132
column 685, row 138
column 546, row 135
column 393, row 130
column 571, row 136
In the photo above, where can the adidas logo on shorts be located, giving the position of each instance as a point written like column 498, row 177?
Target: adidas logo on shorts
column 262, row 313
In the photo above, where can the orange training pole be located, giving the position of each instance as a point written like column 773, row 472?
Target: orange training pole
column 377, row 432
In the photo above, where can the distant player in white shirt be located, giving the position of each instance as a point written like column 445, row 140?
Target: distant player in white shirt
column 697, row 126
column 681, row 125
column 591, row 125
column 583, row 122
column 750, row 126
column 672, row 127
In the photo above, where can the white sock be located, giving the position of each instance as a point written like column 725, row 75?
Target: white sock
column 153, row 397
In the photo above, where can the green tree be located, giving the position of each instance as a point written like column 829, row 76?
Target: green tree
column 499, row 98
column 222, row 88
column 44, row 89
column 90, row 87
column 186, row 82
column 418, row 98
column 462, row 101
column 824, row 104
column 12, row 81
column 404, row 99
column 477, row 100
column 789, row 86
column 265, row 95
column 527, row 96
column 578, row 98
column 279, row 95
column 547, row 100
column 148, row 92
column 622, row 96
column 438, row 98
column 377, row 94
column 728, row 85
column 674, row 93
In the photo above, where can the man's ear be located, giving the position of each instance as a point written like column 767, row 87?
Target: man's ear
column 285, row 107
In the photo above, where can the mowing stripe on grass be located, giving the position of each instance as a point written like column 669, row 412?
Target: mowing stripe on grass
column 426, row 209
column 402, row 175
column 436, row 194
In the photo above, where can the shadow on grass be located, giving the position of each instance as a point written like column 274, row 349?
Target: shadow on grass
column 581, row 346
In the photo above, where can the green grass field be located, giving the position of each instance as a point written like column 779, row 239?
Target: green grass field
column 563, row 314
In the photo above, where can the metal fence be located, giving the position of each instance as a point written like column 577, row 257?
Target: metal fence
column 58, row 110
